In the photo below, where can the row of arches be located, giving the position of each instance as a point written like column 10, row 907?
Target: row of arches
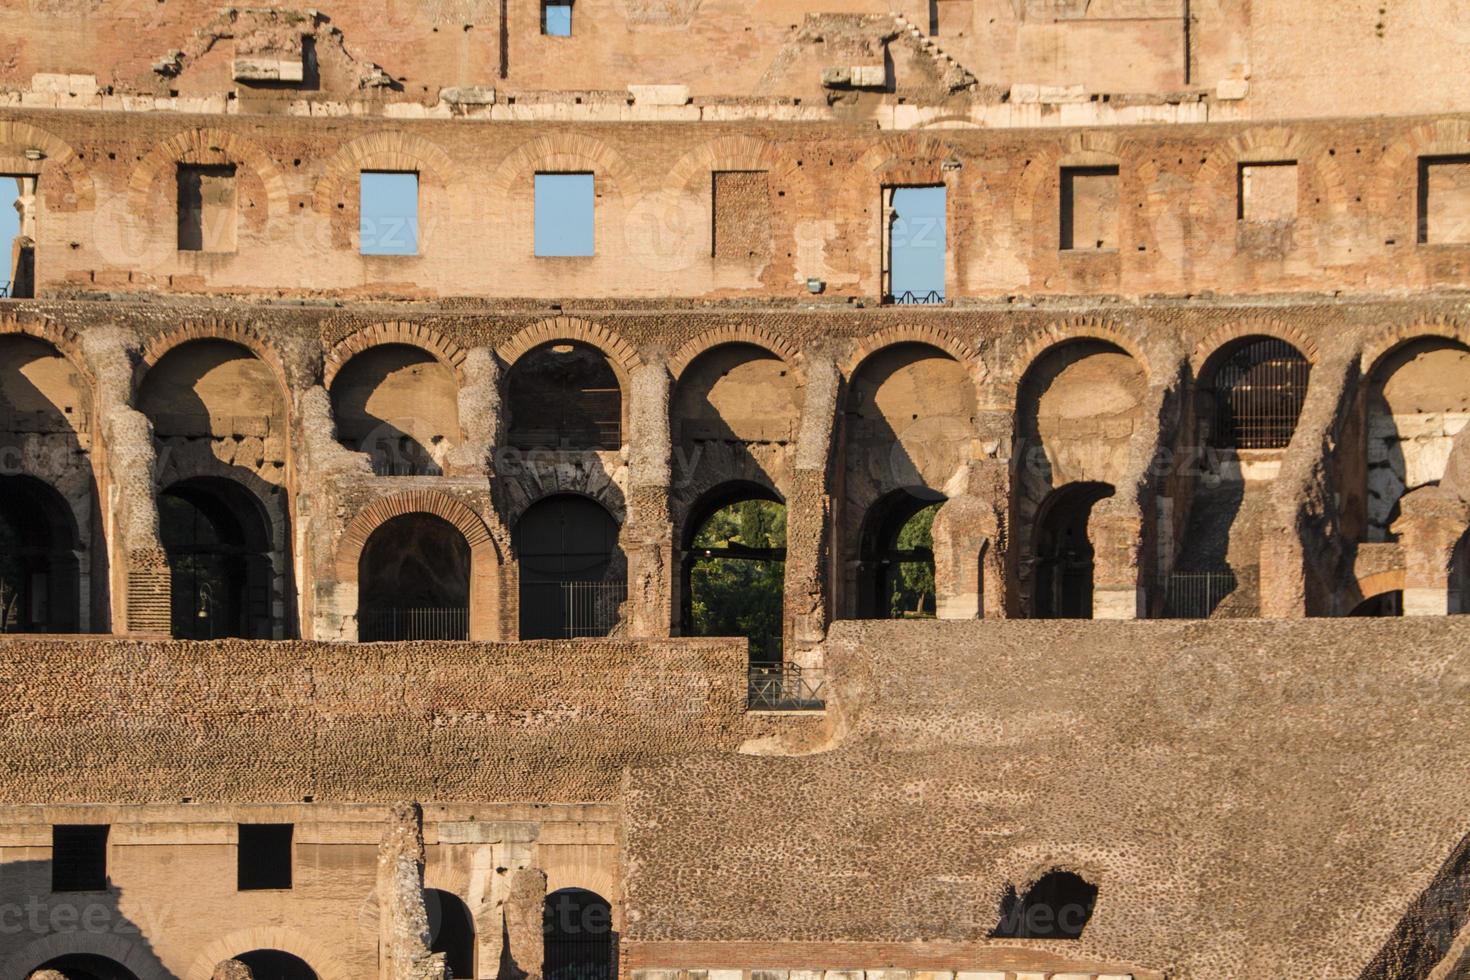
column 579, row 943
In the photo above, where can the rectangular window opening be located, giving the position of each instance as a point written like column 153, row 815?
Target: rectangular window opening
column 914, row 244
column 564, row 214
column 1444, row 200
column 740, row 215
column 79, row 857
column 388, row 213
column 264, row 856
column 1267, row 192
column 18, row 236
column 207, row 210
column 1089, row 209
column 556, row 18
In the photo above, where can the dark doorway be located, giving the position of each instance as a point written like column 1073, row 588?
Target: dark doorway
column 573, row 577
column 413, row 581
column 272, row 964
column 1058, row 906
column 1382, row 604
column 85, row 966
column 580, row 944
column 40, row 578
column 1062, row 584
column 451, row 931
column 1256, row 392
column 896, row 557
column 564, row 395
column 735, row 570
column 217, row 537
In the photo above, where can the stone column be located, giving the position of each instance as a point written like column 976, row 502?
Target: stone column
column 807, row 594
column 403, row 920
column 524, row 929
column 648, row 534
column 1433, row 521
column 964, row 528
column 139, row 569
column 328, row 607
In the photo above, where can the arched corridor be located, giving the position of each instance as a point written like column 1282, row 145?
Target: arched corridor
column 217, row 537
column 451, row 931
column 39, row 568
column 414, row 581
column 1253, row 392
column 399, row 405
column 272, row 964
column 580, row 942
column 85, row 966
column 734, row 569
column 1062, row 576
column 896, row 558
column 564, row 395
column 573, row 575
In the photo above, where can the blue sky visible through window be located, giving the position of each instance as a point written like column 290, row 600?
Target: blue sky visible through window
column 388, row 222
column 917, row 239
column 9, row 225
column 563, row 214
column 557, row 19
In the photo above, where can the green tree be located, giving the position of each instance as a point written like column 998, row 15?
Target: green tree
column 736, row 594
column 911, row 583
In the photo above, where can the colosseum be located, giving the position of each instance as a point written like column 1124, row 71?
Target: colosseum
column 735, row 490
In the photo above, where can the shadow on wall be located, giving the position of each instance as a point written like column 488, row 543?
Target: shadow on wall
column 77, row 935
column 1426, row 934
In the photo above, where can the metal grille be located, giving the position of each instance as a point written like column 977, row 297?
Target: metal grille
column 592, row 607
column 785, row 687
column 387, row 625
column 579, row 959
column 79, row 857
column 1195, row 595
column 910, row 298
column 1259, row 392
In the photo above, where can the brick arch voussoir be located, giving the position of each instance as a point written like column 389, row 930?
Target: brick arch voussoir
column 1055, row 335
column 435, row 502
column 1435, row 138
column 58, row 155
column 1389, row 580
column 322, row 960
column 425, row 338
column 133, row 955
column 64, row 339
column 390, row 149
column 235, row 333
column 910, row 334
column 754, row 336
column 207, row 146
column 616, row 348
column 724, row 153
column 558, row 151
column 1217, row 340
column 1386, row 342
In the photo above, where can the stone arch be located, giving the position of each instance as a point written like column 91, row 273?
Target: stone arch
column 1085, row 149
column 1053, row 335
column 619, row 352
column 450, row 354
column 725, row 153
column 755, row 336
column 561, row 152
column 136, row 956
column 207, row 146
column 321, row 959
column 1395, row 183
column 74, row 192
column 910, row 334
column 235, row 333
column 63, row 338
column 484, row 555
column 1390, row 580
column 1384, row 344
column 388, row 150
column 910, row 158
column 1221, row 337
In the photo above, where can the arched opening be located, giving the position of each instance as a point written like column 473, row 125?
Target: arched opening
column 1253, row 394
column 1418, row 401
column 1383, row 604
column 896, row 557
column 400, row 405
column 564, row 395
column 573, row 574
column 413, row 581
column 221, row 391
column 39, row 571
column 40, row 394
column 735, row 569
column 87, row 966
column 1062, row 577
column 1058, row 906
column 736, row 393
column 451, row 931
column 272, row 964
column 580, row 943
column 217, row 538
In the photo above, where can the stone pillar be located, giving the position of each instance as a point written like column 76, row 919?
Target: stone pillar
column 964, row 528
column 328, row 607
column 648, row 534
column 807, row 595
column 403, row 921
column 1433, row 521
column 139, row 570
column 232, row 970
column 1116, row 534
column 525, row 953
column 479, row 413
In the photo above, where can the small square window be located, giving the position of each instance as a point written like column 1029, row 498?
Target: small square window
column 1268, row 192
column 206, row 208
column 264, row 856
column 564, row 205
column 556, row 18
column 79, row 857
column 1444, row 200
column 388, row 209
column 1089, row 208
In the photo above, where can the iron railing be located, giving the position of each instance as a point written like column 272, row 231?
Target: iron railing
column 1259, row 393
column 785, row 687
column 582, row 608
column 593, row 958
column 388, row 625
column 910, row 298
column 1195, row 595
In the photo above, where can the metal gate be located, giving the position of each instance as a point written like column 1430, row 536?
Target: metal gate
column 1258, row 394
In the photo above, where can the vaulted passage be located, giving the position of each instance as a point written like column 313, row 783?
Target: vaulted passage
column 272, row 964
column 413, row 581
column 217, row 538
column 1063, row 574
column 399, row 405
column 735, row 567
column 580, row 943
column 451, row 931
column 39, row 568
column 564, row 395
column 573, row 574
column 83, row 966
column 896, row 560
column 1256, row 388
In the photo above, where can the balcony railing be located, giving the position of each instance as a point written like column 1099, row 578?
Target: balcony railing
column 388, row 625
column 573, row 609
column 910, row 298
column 785, row 687
column 1194, row 595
